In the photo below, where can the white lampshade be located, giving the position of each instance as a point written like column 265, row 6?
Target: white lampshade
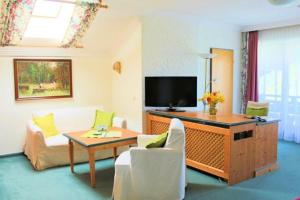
column 207, row 55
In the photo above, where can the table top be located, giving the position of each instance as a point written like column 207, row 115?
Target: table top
column 221, row 119
column 89, row 142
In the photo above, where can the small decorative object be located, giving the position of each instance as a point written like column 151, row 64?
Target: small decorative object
column 42, row 79
column 102, row 128
column 117, row 67
column 212, row 99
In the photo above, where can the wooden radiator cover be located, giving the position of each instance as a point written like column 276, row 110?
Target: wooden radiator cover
column 205, row 146
column 201, row 146
column 236, row 153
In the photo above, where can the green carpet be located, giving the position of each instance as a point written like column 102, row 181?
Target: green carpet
column 18, row 181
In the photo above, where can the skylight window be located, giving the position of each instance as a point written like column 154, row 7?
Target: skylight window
column 49, row 20
column 46, row 9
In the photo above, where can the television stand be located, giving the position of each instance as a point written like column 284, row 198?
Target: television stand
column 170, row 109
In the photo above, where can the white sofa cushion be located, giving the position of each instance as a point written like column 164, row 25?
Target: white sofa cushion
column 56, row 140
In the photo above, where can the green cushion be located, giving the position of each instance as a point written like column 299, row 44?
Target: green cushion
column 103, row 119
column 257, row 111
column 46, row 123
column 158, row 141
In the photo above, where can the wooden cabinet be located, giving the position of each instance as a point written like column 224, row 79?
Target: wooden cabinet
column 229, row 147
column 266, row 148
column 242, row 154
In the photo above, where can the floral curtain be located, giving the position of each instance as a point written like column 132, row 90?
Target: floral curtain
column 249, row 68
column 245, row 52
column 14, row 17
column 84, row 14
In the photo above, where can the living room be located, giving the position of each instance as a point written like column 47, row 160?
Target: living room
column 107, row 61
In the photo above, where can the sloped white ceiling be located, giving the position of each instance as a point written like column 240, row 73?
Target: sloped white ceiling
column 110, row 24
column 239, row 12
column 105, row 33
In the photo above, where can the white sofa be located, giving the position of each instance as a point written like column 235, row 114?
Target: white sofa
column 153, row 174
column 53, row 151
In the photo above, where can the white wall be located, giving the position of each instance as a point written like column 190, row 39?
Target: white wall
column 127, row 86
column 91, row 86
column 153, row 45
column 171, row 43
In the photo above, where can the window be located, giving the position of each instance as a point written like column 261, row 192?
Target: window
column 279, row 80
column 49, row 22
column 56, row 23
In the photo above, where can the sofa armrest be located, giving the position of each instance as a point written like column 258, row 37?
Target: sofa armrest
column 34, row 131
column 143, row 140
column 34, row 143
column 119, row 122
column 165, row 164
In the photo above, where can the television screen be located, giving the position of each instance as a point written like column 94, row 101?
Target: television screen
column 171, row 91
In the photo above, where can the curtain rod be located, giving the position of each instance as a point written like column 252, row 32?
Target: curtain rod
column 282, row 24
column 97, row 2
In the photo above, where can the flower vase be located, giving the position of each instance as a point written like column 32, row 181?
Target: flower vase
column 212, row 109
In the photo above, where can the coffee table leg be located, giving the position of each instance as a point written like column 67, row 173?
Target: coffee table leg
column 71, row 155
column 92, row 167
column 115, row 153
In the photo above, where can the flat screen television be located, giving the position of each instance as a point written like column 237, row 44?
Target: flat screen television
column 171, row 92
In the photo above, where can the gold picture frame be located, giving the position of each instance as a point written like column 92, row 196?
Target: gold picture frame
column 42, row 79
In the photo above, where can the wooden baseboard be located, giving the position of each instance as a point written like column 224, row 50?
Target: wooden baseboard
column 266, row 169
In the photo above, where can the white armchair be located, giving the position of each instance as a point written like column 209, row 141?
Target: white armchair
column 157, row 173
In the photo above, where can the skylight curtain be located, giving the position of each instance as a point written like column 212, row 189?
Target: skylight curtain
column 278, row 78
column 14, row 17
column 81, row 20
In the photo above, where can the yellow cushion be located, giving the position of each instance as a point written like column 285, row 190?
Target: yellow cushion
column 158, row 141
column 46, row 123
column 103, row 119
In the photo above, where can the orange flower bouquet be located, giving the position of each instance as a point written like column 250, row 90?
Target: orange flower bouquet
column 212, row 99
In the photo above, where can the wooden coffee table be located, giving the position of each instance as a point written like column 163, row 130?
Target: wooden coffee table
column 97, row 144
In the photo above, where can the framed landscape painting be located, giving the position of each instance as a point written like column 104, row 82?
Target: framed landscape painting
column 42, row 79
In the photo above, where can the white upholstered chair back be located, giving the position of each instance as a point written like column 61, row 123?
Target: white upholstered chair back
column 176, row 135
column 258, row 104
